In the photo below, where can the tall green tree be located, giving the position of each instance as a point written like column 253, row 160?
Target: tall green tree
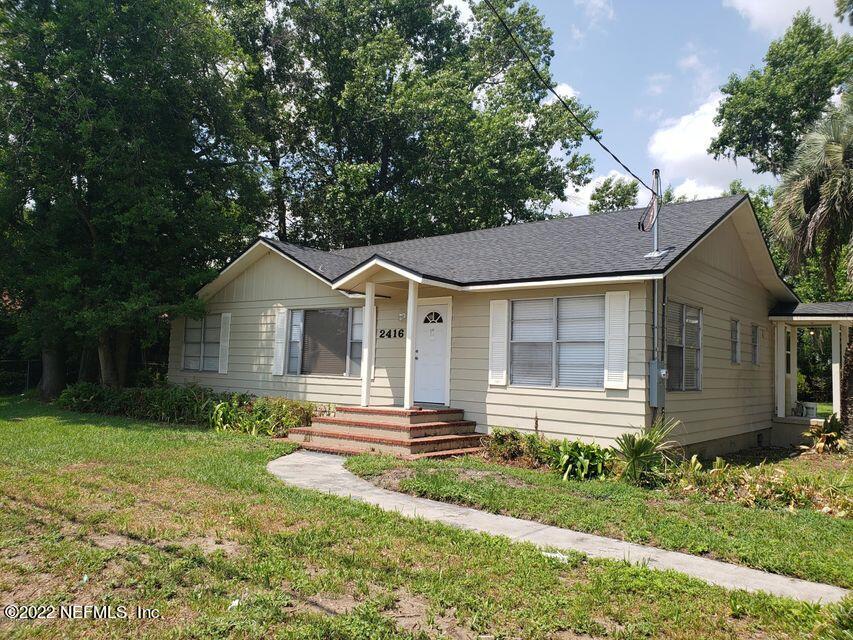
column 764, row 114
column 814, row 204
column 124, row 173
column 390, row 120
column 614, row 194
column 844, row 10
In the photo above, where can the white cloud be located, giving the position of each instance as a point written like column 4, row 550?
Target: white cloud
column 577, row 34
column 564, row 90
column 774, row 16
column 691, row 189
column 679, row 149
column 648, row 114
column 577, row 203
column 596, row 10
column 657, row 83
column 701, row 74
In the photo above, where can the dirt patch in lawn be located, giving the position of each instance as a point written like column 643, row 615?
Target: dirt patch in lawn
column 412, row 613
column 392, row 479
column 329, row 605
column 209, row 544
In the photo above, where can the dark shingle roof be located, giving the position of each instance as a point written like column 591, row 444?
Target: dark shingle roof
column 585, row 246
column 814, row 309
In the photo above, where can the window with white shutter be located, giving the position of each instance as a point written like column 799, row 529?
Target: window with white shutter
column 324, row 341
column 498, row 324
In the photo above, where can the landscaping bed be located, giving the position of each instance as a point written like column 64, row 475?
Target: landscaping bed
column 186, row 520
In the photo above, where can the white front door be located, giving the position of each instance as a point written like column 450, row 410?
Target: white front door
column 431, row 331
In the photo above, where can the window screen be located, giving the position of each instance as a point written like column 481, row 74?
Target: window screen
column 683, row 347
column 325, row 341
column 201, row 343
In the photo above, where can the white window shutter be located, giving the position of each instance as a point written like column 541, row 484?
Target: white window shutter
column 224, row 338
column 498, row 326
column 280, row 347
column 616, row 340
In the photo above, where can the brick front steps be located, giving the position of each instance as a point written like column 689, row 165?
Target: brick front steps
column 406, row 433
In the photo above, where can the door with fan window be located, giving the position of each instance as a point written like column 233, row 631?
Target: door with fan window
column 431, row 353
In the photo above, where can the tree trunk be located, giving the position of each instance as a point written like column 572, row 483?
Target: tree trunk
column 106, row 357
column 52, row 371
column 88, row 370
column 122, row 355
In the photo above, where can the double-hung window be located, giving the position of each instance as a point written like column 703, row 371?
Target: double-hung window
column 754, row 342
column 735, row 341
column 325, row 341
column 558, row 342
column 201, row 343
column 683, row 347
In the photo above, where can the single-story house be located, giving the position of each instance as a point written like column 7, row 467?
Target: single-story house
column 548, row 326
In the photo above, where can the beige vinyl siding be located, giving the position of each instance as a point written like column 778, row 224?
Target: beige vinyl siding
column 735, row 398
column 592, row 414
column 253, row 297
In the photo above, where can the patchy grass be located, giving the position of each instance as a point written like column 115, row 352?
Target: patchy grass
column 98, row 510
column 802, row 543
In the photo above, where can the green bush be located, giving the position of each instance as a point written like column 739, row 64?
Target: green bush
column 191, row 405
column 583, row 460
column 270, row 416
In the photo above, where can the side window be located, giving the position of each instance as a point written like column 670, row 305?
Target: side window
column 735, row 341
column 683, row 347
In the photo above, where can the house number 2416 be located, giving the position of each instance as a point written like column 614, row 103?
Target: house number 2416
column 392, row 333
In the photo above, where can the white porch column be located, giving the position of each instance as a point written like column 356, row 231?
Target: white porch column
column 411, row 327
column 779, row 364
column 369, row 340
column 792, row 379
column 836, row 368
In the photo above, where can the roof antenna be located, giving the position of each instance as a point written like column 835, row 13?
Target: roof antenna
column 651, row 216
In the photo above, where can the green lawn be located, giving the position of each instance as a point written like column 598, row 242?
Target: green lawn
column 97, row 510
column 805, row 543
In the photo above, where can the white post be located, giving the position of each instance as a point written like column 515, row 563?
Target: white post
column 836, row 368
column 411, row 327
column 792, row 381
column 369, row 341
column 779, row 363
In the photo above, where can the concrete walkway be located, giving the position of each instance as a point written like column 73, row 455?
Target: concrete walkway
column 326, row 473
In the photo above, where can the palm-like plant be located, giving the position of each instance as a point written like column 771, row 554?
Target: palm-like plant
column 644, row 453
column 814, row 203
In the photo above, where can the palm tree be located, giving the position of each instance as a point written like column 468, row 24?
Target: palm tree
column 814, row 203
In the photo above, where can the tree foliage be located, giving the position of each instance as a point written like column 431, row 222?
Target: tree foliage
column 124, row 172
column 764, row 114
column 814, row 203
column 614, row 194
column 389, row 120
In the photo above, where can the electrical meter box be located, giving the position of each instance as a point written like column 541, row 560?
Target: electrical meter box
column 657, row 383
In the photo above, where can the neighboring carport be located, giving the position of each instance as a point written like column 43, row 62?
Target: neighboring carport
column 787, row 318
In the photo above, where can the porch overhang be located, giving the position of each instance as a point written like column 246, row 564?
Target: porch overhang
column 787, row 318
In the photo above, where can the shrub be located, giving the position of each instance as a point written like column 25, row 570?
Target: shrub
column 644, row 454
column 827, row 436
column 582, row 460
column 191, row 405
column 504, row 444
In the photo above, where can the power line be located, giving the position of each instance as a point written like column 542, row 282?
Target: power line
column 550, row 88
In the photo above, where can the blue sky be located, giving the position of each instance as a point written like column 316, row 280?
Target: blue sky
column 652, row 70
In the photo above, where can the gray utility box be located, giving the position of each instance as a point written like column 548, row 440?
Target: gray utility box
column 657, row 383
